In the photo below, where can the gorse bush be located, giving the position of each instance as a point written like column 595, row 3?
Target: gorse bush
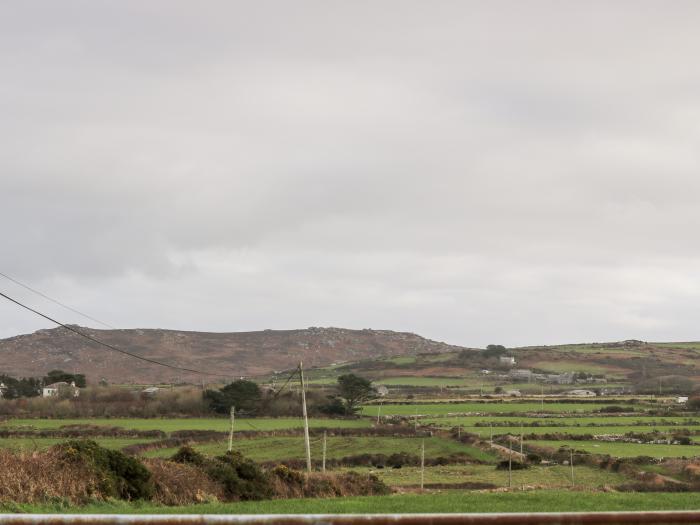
column 241, row 478
column 80, row 472
column 121, row 476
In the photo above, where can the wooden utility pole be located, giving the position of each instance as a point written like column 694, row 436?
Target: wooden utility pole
column 415, row 420
column 230, row 433
column 571, row 461
column 307, row 441
column 323, row 461
column 510, row 462
column 491, row 433
column 422, row 464
column 521, row 442
column 379, row 411
column 542, row 397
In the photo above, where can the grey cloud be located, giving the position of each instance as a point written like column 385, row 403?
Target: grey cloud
column 521, row 172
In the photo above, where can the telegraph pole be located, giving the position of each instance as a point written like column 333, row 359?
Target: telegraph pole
column 571, row 461
column 323, row 461
column 230, row 434
column 422, row 464
column 510, row 462
column 542, row 397
column 307, row 441
column 521, row 442
column 379, row 411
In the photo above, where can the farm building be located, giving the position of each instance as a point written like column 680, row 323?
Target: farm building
column 151, row 391
column 60, row 388
column 507, row 360
column 581, row 393
column 521, row 374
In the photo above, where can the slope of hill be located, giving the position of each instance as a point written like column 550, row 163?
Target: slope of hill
column 648, row 367
column 235, row 354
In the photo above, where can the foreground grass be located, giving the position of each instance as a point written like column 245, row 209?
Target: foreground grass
column 442, row 501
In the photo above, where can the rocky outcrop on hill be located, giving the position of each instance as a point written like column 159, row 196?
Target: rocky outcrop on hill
column 231, row 354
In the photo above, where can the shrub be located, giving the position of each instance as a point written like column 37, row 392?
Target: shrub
column 241, row 478
column 181, row 484
column 46, row 476
column 121, row 476
column 514, row 465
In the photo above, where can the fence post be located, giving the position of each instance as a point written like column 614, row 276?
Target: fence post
column 230, row 434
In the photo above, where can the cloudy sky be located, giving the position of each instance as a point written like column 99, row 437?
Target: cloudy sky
column 516, row 172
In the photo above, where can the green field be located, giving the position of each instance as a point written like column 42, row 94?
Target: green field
column 485, row 432
column 173, row 424
column 622, row 450
column 41, row 443
column 566, row 420
column 490, row 408
column 541, row 477
column 282, row 448
column 443, row 501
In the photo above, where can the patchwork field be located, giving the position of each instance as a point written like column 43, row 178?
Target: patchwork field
column 173, row 424
column 622, row 450
column 286, row 448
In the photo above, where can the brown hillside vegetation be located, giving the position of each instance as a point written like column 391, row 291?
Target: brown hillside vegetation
column 237, row 353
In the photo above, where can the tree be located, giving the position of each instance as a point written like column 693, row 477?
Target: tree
column 15, row 388
column 494, row 351
column 242, row 394
column 354, row 390
column 58, row 376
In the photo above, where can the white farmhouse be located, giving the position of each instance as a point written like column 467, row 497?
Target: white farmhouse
column 56, row 389
column 507, row 360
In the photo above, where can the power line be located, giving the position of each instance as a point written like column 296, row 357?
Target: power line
column 55, row 301
column 107, row 345
column 279, row 391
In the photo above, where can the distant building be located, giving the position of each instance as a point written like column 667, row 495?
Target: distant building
column 521, row 374
column 580, row 393
column 382, row 391
column 513, row 393
column 682, row 399
column 60, row 388
column 485, row 372
column 560, row 379
column 151, row 391
column 507, row 360
column 3, row 389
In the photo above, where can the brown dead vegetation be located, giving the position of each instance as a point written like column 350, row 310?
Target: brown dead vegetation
column 41, row 476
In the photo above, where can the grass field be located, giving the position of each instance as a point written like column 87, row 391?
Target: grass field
column 565, row 420
column 541, row 477
column 622, row 450
column 443, row 501
column 485, row 432
column 490, row 408
column 281, row 448
column 173, row 424
column 41, row 443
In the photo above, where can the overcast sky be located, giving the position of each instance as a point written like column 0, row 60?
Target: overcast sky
column 521, row 172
